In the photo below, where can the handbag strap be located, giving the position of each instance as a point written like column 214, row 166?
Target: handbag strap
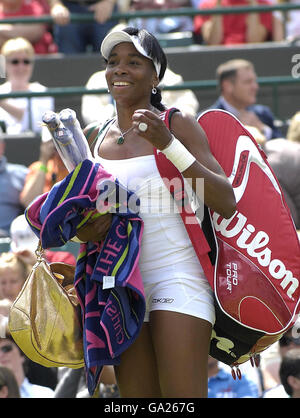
column 39, row 252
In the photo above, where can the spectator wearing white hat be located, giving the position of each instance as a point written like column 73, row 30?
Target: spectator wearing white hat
column 24, row 243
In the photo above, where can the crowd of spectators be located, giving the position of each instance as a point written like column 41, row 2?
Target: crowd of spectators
column 70, row 36
column 19, row 184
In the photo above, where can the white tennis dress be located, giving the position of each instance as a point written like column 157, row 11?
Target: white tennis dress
column 172, row 275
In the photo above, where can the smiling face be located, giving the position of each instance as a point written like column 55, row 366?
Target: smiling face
column 19, row 66
column 130, row 76
column 19, row 56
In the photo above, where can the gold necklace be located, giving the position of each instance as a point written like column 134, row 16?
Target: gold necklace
column 121, row 138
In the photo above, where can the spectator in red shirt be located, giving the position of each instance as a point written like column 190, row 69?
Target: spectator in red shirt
column 230, row 29
column 35, row 33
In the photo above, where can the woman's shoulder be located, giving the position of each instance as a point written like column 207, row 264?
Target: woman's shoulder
column 91, row 130
column 180, row 118
column 96, row 130
column 185, row 126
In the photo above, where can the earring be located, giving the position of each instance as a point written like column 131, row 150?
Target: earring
column 154, row 91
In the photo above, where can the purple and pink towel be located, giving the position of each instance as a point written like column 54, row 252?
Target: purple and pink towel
column 107, row 278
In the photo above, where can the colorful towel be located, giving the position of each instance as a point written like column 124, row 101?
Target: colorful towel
column 107, row 277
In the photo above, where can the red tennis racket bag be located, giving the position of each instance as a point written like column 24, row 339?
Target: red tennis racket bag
column 252, row 260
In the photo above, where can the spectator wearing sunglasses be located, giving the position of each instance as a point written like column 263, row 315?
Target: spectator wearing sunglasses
column 36, row 373
column 8, row 384
column 22, row 114
column 12, row 358
column 289, row 341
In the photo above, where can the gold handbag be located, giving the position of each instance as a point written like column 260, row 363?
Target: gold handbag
column 44, row 319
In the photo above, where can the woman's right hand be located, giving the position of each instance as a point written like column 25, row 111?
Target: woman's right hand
column 95, row 229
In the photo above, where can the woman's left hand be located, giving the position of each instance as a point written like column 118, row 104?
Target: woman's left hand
column 156, row 131
column 95, row 229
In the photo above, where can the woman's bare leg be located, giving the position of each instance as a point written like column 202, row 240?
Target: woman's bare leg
column 168, row 359
column 181, row 343
column 137, row 374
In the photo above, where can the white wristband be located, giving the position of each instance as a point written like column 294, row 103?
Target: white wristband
column 177, row 153
column 3, row 325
